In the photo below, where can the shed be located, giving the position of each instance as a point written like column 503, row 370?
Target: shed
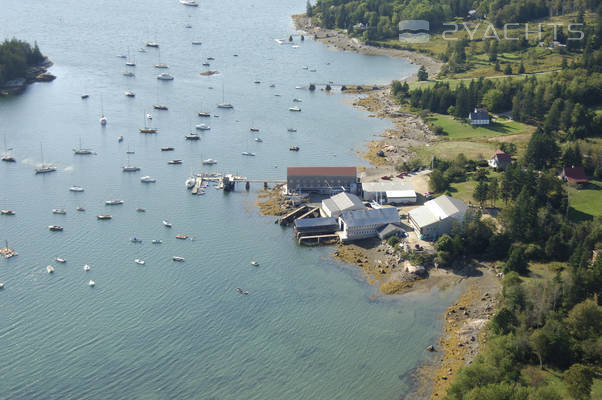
column 316, row 226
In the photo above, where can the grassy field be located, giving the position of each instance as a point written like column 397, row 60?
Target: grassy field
column 456, row 129
column 450, row 149
column 585, row 203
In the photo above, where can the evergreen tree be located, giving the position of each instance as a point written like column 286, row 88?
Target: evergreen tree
column 422, row 74
column 521, row 68
column 480, row 193
column 492, row 190
column 308, row 10
column 508, row 69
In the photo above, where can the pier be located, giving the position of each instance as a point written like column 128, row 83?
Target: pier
column 293, row 215
column 330, row 238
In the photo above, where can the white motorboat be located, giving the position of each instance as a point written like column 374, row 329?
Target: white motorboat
column 76, row 189
column 50, row 269
column 292, row 130
column 166, row 224
column 190, row 182
column 103, row 217
column 113, row 202
column 1, row 285
column 297, row 109
column 192, row 136
column 157, row 241
column 176, row 258
column 129, row 93
column 129, row 74
column 91, row 283
column 255, row 263
column 189, row 3
column 149, row 116
column 258, row 139
column 59, row 211
column 249, row 154
column 203, row 127
column 139, row 261
column 55, row 228
column 60, row 260
column 147, row 179
column 209, row 161
column 164, row 76
column 87, row 268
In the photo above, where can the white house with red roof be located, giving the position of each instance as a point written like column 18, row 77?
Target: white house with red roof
column 500, row 160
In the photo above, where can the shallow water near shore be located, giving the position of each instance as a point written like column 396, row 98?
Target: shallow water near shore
column 309, row 328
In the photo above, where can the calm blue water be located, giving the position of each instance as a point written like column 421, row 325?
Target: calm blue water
column 310, row 328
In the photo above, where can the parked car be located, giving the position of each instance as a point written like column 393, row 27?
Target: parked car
column 385, row 178
column 414, row 169
column 400, row 176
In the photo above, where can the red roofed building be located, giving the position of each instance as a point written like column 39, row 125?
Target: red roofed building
column 321, row 179
column 500, row 160
column 574, row 174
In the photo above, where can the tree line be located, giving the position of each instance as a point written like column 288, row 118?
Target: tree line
column 16, row 56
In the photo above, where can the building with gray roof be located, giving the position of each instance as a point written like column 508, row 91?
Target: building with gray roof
column 437, row 216
column 337, row 204
column 363, row 224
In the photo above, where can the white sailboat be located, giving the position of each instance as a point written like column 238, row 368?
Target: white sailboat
column 103, row 119
column 160, row 64
column 6, row 157
column 82, row 151
column 147, row 129
column 129, row 167
column 44, row 168
column 223, row 104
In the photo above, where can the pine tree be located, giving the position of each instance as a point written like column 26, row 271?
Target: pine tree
column 492, row 190
column 480, row 193
column 521, row 68
column 422, row 74
column 308, row 10
column 508, row 69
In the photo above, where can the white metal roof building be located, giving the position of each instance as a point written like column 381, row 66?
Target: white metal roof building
column 437, row 216
column 362, row 224
column 393, row 192
column 337, row 204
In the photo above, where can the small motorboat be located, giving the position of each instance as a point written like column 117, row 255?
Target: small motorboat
column 79, row 208
column 295, row 108
column 76, row 189
column 245, row 292
column 190, row 182
column 129, row 93
column 130, row 63
column 139, row 261
column 258, row 139
column 197, row 43
column 204, row 114
column 60, row 260
column 152, row 44
column 209, row 161
column 148, row 130
column 87, row 268
column 206, row 64
column 239, row 290
column 225, row 105
column 149, row 116
column 257, row 82
column 189, row 3
column 7, row 212
column 113, row 202
column 254, row 129
column 50, row 269
column 166, row 224
column 246, row 153
column 84, row 96
column 167, row 148
column 120, row 139
column 292, row 130
column 294, row 148
column 192, row 136
column 181, row 236
column 1, row 285
column 147, row 179
column 176, row 258
column 140, row 210
column 129, row 74
column 160, row 107
column 174, row 162
column 297, row 100
column 91, row 283
column 211, row 58
column 135, row 240
column 157, row 241
column 255, row 263
column 203, row 127
column 164, row 76
column 55, row 228
column 102, row 217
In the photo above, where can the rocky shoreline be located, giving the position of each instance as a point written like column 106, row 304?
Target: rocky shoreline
column 37, row 73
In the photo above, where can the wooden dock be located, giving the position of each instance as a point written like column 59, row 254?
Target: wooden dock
column 330, row 238
column 293, row 215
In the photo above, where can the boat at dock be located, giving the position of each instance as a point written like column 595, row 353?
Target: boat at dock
column 139, row 261
column 190, row 182
column 166, row 224
column 76, row 189
column 50, row 269
column 181, row 236
column 113, row 202
column 55, row 228
column 209, row 161
column 135, row 240
column 192, row 136
column 167, row 148
column 147, row 179
column 174, row 162
column 176, row 258
column 59, row 211
column 102, row 217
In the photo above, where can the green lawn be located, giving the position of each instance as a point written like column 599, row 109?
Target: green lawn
column 457, row 129
column 585, row 203
column 448, row 150
column 463, row 190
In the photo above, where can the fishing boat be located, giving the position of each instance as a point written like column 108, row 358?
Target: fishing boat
column 203, row 127
column 129, row 93
column 249, row 154
column 174, row 162
column 139, row 209
column 84, row 96
column 167, row 148
column 139, row 261
column 103, row 217
column 59, row 211
column 120, row 139
column 152, row 44
column 294, row 148
column 209, row 161
column 135, row 240
column 204, row 114
column 87, row 268
column 181, row 236
column 295, row 108
column 79, row 208
column 60, row 260
column 55, row 228
column 176, row 258
column 7, row 212
column 147, row 179
column 189, row 3
column 160, row 107
column 258, row 139
column 166, row 224
column 157, row 241
column 76, row 189
column 81, row 151
column 91, row 283
column 50, row 269
column 113, row 202
column 164, row 76
column 44, row 168
column 6, row 157
column 192, row 136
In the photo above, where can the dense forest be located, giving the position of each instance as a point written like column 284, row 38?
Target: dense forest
column 379, row 19
column 16, row 57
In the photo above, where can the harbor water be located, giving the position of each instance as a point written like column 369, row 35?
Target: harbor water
column 310, row 328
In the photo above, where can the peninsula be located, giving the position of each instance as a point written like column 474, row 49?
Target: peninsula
column 20, row 65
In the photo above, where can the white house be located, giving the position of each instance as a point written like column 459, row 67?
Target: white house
column 480, row 116
column 336, row 205
column 363, row 224
column 437, row 216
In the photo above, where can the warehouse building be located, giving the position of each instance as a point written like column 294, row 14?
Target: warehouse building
column 316, row 226
column 363, row 224
column 437, row 216
column 328, row 180
column 337, row 204
column 392, row 192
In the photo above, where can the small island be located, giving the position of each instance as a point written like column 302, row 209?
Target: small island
column 20, row 65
